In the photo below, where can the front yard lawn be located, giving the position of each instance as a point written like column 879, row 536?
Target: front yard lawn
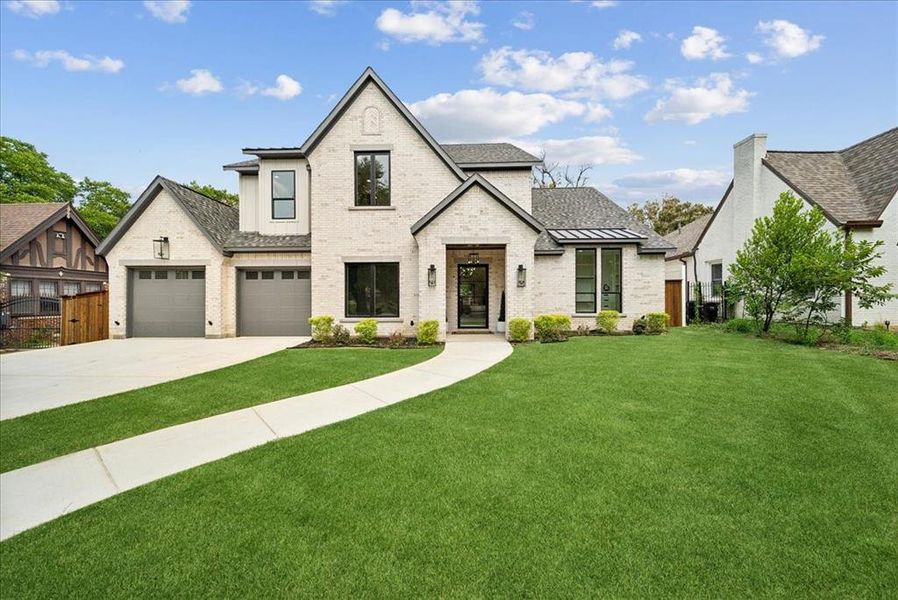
column 48, row 434
column 696, row 464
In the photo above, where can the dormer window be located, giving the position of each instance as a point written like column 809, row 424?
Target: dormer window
column 283, row 194
column 372, row 179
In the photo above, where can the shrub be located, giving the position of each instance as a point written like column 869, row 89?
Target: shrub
column 739, row 326
column 341, row 335
column 366, row 329
column 519, row 329
column 396, row 339
column 322, row 328
column 582, row 329
column 639, row 326
column 606, row 321
column 427, row 332
column 656, row 322
column 552, row 328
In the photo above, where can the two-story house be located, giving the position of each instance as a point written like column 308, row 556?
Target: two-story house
column 372, row 217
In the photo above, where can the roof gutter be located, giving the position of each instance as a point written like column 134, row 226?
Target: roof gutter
column 275, row 152
column 862, row 224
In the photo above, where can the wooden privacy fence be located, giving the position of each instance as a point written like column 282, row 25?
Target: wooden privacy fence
column 85, row 318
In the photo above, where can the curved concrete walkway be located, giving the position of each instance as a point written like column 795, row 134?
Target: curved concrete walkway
column 45, row 491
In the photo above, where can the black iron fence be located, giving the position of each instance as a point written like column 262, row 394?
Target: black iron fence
column 709, row 302
column 30, row 322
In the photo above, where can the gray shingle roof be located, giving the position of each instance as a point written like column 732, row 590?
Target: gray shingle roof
column 854, row 184
column 215, row 218
column 585, row 208
column 249, row 241
column 469, row 154
column 243, row 165
column 686, row 237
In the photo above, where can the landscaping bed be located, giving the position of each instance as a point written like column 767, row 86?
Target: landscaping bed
column 392, row 343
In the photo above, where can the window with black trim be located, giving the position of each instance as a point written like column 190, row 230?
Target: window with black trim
column 612, row 280
column 283, row 194
column 372, row 289
column 251, row 274
column 372, row 179
column 585, row 274
column 287, row 275
column 717, row 278
column 144, row 274
column 160, row 275
column 267, row 274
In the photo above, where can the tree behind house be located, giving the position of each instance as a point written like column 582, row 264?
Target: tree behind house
column 668, row 213
column 220, row 194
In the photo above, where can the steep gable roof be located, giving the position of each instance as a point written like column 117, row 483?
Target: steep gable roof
column 495, row 155
column 215, row 219
column 478, row 180
column 851, row 185
column 686, row 237
column 370, row 77
column 21, row 222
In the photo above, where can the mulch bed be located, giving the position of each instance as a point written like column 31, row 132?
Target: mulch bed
column 381, row 342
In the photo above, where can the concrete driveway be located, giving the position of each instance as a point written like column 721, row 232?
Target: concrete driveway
column 41, row 379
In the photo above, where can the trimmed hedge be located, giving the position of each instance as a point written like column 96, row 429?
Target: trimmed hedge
column 552, row 327
column 366, row 329
column 322, row 328
column 656, row 322
column 519, row 329
column 427, row 331
column 607, row 320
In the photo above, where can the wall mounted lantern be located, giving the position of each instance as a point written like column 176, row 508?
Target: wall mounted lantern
column 432, row 276
column 522, row 276
column 160, row 248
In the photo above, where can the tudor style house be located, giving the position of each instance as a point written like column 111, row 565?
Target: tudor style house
column 372, row 217
column 855, row 188
column 47, row 251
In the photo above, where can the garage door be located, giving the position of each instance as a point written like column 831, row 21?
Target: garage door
column 168, row 303
column 274, row 302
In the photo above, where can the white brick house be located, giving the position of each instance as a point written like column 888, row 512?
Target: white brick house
column 371, row 217
column 855, row 188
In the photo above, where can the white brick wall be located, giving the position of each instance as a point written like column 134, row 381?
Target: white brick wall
column 517, row 184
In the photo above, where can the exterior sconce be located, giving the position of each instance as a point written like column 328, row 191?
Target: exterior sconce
column 160, row 248
column 432, row 276
column 522, row 276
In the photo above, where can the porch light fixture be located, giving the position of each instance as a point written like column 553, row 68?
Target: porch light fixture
column 160, row 248
column 522, row 276
column 432, row 276
column 473, row 258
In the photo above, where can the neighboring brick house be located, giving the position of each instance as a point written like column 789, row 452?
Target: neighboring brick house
column 371, row 217
column 855, row 188
column 47, row 251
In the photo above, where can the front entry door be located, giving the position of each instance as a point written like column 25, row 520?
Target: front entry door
column 473, row 296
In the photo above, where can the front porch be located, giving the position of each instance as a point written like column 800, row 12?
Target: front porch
column 475, row 283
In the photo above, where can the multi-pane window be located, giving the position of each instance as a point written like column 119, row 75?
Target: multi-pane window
column 585, row 280
column 19, row 288
column 93, row 287
column 716, row 278
column 48, row 289
column 71, row 288
column 372, row 179
column 611, row 279
column 372, row 289
column 283, row 194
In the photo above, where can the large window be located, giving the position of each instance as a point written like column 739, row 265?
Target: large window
column 372, row 179
column 372, row 289
column 586, row 280
column 716, row 278
column 283, row 194
column 611, row 279
column 20, row 288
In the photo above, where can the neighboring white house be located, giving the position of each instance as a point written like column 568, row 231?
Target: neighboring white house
column 855, row 188
column 371, row 217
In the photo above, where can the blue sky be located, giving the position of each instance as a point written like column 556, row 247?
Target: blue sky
column 653, row 94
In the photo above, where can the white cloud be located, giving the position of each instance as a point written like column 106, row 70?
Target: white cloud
column 787, row 39
column 170, row 11
column 486, row 114
column 625, row 39
column 754, row 58
column 433, row 22
column 704, row 43
column 587, row 150
column 703, row 185
column 326, row 8
column 689, row 142
column 200, row 82
column 43, row 58
column 596, row 112
column 577, row 73
column 712, row 96
column 603, row 3
column 34, row 8
column 285, row 88
column 524, row 20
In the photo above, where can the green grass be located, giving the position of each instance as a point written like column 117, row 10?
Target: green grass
column 863, row 338
column 696, row 464
column 48, row 434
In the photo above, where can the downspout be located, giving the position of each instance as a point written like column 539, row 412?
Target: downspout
column 309, row 195
column 684, row 305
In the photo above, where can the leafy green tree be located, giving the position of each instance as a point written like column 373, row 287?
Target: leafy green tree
column 668, row 213
column 102, row 205
column 213, row 192
column 26, row 175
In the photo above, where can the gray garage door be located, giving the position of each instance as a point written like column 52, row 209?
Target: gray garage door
column 274, row 302
column 168, row 303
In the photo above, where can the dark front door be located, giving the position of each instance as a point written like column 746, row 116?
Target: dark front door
column 473, row 296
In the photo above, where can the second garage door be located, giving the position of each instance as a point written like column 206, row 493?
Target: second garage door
column 168, row 302
column 274, row 302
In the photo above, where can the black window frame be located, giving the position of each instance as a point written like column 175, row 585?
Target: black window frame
column 373, row 301
column 716, row 284
column 577, row 278
column 620, row 273
column 372, row 192
column 292, row 198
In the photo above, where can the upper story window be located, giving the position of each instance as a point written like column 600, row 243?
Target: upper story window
column 283, row 194
column 372, row 179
